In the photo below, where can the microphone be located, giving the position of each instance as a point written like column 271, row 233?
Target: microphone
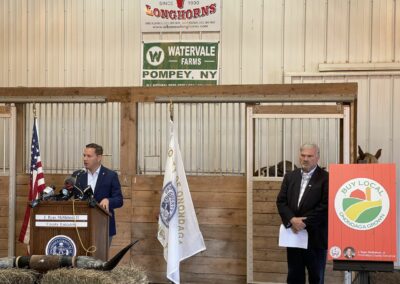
column 89, row 196
column 88, row 191
column 35, row 202
column 67, row 191
column 80, row 172
column 64, row 194
column 69, row 182
column 77, row 191
column 48, row 192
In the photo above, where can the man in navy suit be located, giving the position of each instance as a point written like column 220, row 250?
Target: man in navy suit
column 303, row 205
column 104, row 182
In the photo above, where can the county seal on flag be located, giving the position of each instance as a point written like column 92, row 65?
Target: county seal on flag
column 168, row 203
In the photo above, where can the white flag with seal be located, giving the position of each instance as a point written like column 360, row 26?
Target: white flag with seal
column 178, row 229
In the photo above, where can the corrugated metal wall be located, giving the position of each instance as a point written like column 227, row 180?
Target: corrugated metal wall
column 211, row 137
column 4, row 144
column 65, row 129
column 278, row 139
column 98, row 42
column 378, row 100
column 69, row 43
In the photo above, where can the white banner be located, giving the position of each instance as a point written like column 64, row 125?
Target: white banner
column 180, row 15
column 61, row 217
column 61, row 224
column 178, row 229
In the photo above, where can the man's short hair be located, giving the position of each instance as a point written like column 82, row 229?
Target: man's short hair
column 310, row 146
column 97, row 148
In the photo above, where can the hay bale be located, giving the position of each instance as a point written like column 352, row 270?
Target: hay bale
column 17, row 276
column 120, row 274
column 129, row 275
column 70, row 276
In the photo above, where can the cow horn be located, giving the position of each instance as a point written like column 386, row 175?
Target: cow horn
column 44, row 263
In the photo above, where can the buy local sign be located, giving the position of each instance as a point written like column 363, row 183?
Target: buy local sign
column 362, row 212
column 180, row 63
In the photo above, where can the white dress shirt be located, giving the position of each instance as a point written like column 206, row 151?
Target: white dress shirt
column 305, row 178
column 92, row 178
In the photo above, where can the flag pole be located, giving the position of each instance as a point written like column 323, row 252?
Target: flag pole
column 171, row 110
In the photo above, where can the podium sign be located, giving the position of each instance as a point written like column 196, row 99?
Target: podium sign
column 67, row 228
column 362, row 212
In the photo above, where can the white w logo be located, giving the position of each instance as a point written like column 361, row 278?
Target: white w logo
column 155, row 55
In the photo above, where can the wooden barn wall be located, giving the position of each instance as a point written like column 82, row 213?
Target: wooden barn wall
column 220, row 204
column 4, row 182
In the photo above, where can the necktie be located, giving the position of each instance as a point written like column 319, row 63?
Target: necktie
column 305, row 178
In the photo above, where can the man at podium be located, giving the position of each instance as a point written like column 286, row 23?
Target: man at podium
column 103, row 181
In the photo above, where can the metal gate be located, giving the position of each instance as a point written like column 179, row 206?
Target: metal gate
column 274, row 136
column 8, row 173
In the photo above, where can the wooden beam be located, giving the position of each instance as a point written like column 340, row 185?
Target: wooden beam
column 30, row 95
column 5, row 111
column 21, row 139
column 353, row 133
column 333, row 92
column 128, row 138
column 295, row 109
column 362, row 66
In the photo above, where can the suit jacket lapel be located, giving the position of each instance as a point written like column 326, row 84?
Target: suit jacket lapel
column 297, row 185
column 102, row 173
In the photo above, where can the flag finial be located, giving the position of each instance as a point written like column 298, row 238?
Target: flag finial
column 34, row 110
column 171, row 110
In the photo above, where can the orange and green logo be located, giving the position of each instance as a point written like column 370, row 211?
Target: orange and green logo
column 362, row 203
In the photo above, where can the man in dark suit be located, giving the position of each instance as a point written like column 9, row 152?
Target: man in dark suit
column 104, row 182
column 303, row 205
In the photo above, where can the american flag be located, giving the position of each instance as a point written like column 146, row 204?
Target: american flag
column 36, row 183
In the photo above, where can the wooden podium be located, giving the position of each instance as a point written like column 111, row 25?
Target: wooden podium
column 55, row 218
